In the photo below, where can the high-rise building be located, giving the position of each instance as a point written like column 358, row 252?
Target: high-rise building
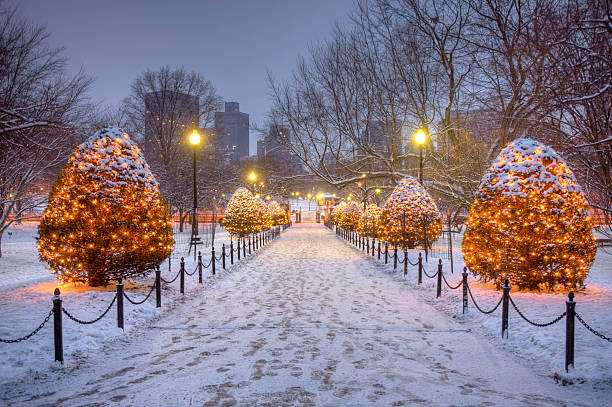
column 232, row 132
column 170, row 117
column 272, row 149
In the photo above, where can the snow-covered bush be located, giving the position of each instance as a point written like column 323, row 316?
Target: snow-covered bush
column 369, row 222
column 410, row 216
column 278, row 213
column 337, row 212
column 105, row 218
column 242, row 214
column 266, row 220
column 530, row 221
column 349, row 217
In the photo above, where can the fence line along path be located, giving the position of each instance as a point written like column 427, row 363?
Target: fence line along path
column 308, row 321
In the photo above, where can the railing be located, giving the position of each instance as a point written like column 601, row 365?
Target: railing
column 255, row 242
column 363, row 243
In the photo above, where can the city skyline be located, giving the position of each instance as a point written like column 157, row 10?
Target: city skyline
column 245, row 38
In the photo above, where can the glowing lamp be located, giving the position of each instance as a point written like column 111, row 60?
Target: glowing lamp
column 194, row 138
column 420, row 137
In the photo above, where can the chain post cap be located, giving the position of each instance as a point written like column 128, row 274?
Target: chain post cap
column 440, row 261
column 119, row 281
column 571, row 296
column 420, row 255
column 464, row 269
column 199, row 253
column 56, row 292
column 182, row 259
column 157, row 267
column 506, row 282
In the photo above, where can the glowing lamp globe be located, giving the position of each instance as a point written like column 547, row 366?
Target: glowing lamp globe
column 194, row 138
column 420, row 137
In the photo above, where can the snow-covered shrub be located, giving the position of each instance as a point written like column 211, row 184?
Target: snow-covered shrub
column 337, row 212
column 349, row 217
column 278, row 213
column 410, row 216
column 530, row 221
column 105, row 218
column 266, row 219
column 242, row 214
column 369, row 222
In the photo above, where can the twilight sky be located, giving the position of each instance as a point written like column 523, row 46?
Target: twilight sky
column 230, row 42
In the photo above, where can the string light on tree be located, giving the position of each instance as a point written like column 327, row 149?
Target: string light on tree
column 530, row 221
column 349, row 217
column 105, row 217
column 266, row 218
column 410, row 216
column 242, row 214
column 369, row 223
column 278, row 213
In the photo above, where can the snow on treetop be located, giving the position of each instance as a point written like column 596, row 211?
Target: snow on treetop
column 410, row 197
column 113, row 159
column 527, row 165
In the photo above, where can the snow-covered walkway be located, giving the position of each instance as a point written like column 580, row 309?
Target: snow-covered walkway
column 307, row 321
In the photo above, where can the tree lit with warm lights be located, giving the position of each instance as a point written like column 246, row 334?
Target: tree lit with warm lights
column 369, row 223
column 410, row 216
column 242, row 214
column 266, row 219
column 337, row 212
column 350, row 216
column 530, row 221
column 105, row 218
column 278, row 213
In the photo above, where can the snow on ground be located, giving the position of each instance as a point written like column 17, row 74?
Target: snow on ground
column 541, row 349
column 306, row 321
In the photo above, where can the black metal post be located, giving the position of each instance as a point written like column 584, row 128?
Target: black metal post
column 120, row 303
column 570, row 309
column 439, row 287
column 58, row 339
column 379, row 250
column 157, row 287
column 421, row 164
column 182, row 273
column 200, row 267
column 213, row 261
column 238, row 250
column 506, row 297
column 223, row 254
column 420, row 268
column 231, row 252
column 395, row 258
column 464, row 283
column 249, row 244
column 373, row 249
column 386, row 252
column 244, row 248
column 194, row 226
column 405, row 261
column 368, row 245
column 426, row 243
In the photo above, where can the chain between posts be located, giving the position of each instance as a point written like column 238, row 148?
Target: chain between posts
column 448, row 285
column 31, row 334
column 541, row 325
column 94, row 320
column 594, row 332
column 480, row 309
column 427, row 274
column 139, row 302
column 173, row 280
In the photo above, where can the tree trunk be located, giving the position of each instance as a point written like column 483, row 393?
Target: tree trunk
column 1, row 233
column 181, row 219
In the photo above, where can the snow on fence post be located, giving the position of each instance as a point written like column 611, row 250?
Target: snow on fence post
column 420, row 268
column 57, row 327
column 223, row 255
column 439, row 287
column 570, row 309
column 158, row 286
column 212, row 261
column 200, row 267
column 505, row 298
column 465, row 289
column 182, row 273
column 120, row 303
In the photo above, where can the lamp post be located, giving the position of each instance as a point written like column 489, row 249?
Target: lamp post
column 420, row 137
column 252, row 177
column 194, row 139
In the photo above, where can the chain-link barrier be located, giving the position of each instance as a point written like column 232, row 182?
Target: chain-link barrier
column 541, row 325
column 31, row 334
column 171, row 281
column 139, row 302
column 448, row 285
column 94, row 320
column 594, row 332
column 480, row 309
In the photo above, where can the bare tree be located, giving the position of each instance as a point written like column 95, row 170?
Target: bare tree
column 40, row 107
column 161, row 105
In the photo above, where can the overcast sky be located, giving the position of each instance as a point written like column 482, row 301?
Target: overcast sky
column 230, row 42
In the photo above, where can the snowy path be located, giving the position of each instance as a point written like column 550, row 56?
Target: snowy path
column 308, row 321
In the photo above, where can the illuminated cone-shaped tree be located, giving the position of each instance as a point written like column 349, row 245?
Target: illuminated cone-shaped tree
column 369, row 223
column 349, row 217
column 266, row 219
column 337, row 212
column 410, row 216
column 242, row 214
column 105, row 217
column 278, row 213
column 529, row 222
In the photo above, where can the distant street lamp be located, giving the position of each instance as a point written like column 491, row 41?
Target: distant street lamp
column 252, row 177
column 195, row 139
column 420, row 137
